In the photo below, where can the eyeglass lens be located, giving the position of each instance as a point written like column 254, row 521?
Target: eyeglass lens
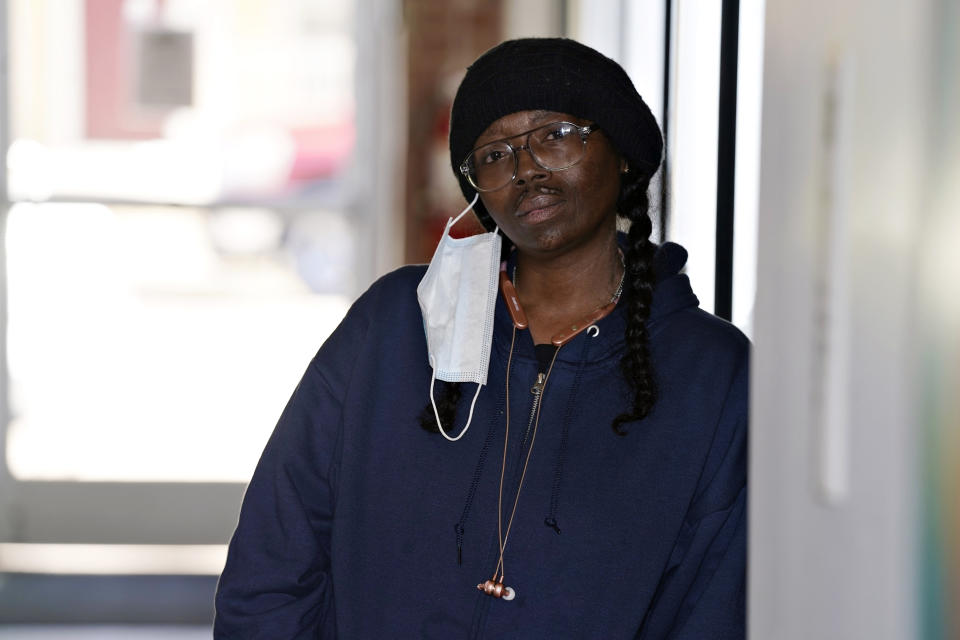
column 555, row 146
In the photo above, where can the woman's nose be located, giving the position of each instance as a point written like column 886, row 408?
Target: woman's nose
column 527, row 167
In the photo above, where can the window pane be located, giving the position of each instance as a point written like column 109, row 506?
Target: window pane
column 143, row 347
column 198, row 251
column 180, row 101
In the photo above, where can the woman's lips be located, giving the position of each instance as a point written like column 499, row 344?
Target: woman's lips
column 538, row 208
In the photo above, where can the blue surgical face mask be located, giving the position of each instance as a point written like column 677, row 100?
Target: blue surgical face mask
column 457, row 298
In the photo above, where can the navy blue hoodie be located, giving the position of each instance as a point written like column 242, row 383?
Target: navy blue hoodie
column 359, row 524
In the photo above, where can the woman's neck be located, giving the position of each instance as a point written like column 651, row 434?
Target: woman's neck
column 556, row 291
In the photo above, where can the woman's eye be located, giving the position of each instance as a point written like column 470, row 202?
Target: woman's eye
column 492, row 156
column 557, row 133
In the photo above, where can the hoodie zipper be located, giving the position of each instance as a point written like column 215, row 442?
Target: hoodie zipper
column 537, row 391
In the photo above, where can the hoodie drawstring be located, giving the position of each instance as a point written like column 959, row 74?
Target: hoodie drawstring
column 458, row 528
column 561, row 459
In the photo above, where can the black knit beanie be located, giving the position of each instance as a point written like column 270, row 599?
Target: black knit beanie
column 552, row 74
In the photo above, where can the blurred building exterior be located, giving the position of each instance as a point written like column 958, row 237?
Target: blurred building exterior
column 443, row 39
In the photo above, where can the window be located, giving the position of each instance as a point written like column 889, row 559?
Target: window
column 181, row 233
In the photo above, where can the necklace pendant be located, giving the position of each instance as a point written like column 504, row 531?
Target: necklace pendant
column 497, row 590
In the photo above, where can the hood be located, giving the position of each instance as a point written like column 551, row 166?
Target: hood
column 672, row 291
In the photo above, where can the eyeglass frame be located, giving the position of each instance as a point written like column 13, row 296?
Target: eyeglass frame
column 584, row 131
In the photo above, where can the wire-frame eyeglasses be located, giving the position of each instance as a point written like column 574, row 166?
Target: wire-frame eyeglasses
column 554, row 147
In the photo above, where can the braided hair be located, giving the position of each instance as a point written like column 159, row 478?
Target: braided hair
column 632, row 204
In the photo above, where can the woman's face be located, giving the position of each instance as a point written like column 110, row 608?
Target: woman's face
column 546, row 212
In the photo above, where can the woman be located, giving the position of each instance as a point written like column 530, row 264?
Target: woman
column 595, row 487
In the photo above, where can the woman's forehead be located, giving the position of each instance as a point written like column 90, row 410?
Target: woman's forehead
column 521, row 121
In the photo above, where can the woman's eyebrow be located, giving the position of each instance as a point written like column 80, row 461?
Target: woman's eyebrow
column 537, row 118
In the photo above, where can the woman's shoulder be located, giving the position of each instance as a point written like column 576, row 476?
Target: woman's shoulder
column 386, row 312
column 393, row 290
column 700, row 332
column 697, row 352
column 676, row 318
column 401, row 280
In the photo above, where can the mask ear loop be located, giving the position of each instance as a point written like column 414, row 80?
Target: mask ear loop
column 454, row 221
column 436, row 414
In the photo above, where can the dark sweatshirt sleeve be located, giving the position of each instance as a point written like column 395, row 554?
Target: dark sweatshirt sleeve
column 703, row 590
column 276, row 582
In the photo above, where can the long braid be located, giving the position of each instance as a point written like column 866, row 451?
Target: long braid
column 636, row 365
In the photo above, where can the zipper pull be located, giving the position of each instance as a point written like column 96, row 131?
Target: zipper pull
column 538, row 385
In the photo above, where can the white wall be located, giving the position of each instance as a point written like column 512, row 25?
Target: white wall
column 847, row 170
